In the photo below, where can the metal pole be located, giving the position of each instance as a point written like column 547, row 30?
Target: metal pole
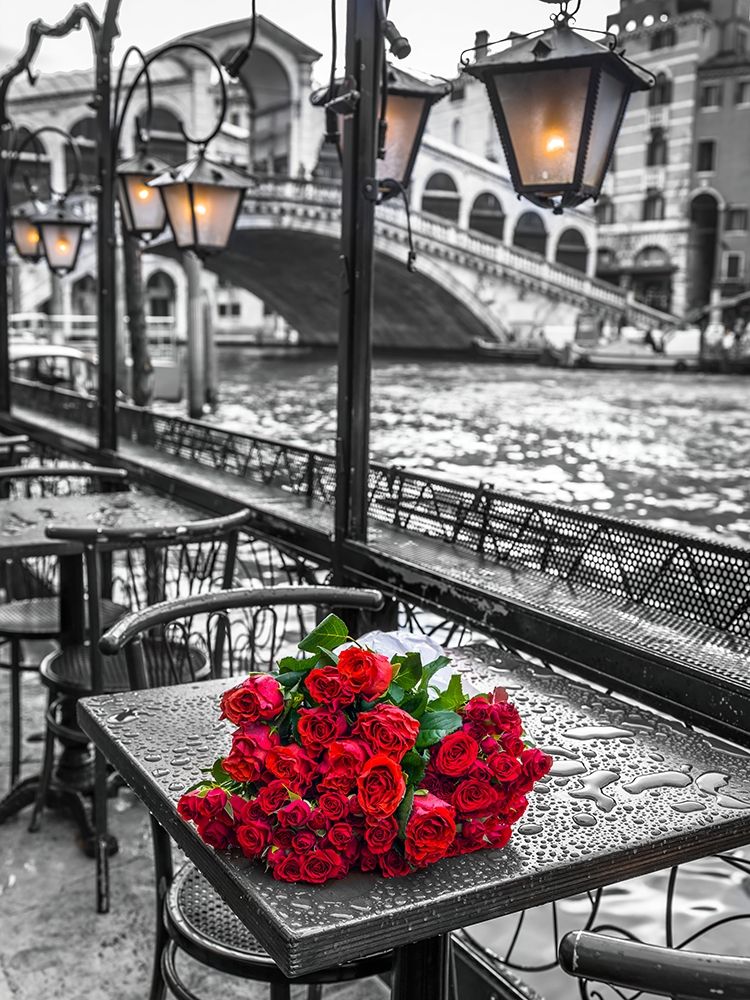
column 364, row 46
column 196, row 343
column 4, row 304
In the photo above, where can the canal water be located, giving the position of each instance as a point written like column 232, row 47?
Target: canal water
column 670, row 449
column 673, row 450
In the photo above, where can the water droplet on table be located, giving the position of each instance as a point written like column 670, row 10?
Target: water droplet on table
column 661, row 779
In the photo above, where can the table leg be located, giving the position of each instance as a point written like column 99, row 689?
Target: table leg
column 72, row 606
column 422, row 970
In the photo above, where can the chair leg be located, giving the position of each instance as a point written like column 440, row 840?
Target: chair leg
column 101, row 845
column 15, row 711
column 164, row 874
column 280, row 991
column 315, row 991
column 45, row 778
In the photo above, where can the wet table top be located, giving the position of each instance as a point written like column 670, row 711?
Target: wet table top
column 23, row 522
column 629, row 793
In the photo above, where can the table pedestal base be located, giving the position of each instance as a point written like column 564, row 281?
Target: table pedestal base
column 422, row 970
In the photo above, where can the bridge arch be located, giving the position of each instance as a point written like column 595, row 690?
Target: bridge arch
column 572, row 250
column 488, row 216
column 440, row 196
column 530, row 233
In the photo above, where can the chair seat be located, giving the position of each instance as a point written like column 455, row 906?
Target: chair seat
column 68, row 671
column 201, row 923
column 39, row 617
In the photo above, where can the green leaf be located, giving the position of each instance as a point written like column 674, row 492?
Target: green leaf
column 431, row 669
column 435, row 725
column 293, row 665
column 327, row 658
column 228, row 810
column 404, row 810
column 415, row 766
column 409, row 670
column 290, row 680
column 453, row 697
column 220, row 776
column 199, row 784
column 330, row 633
column 415, row 704
column 395, row 693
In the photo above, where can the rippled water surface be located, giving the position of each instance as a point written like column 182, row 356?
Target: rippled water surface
column 667, row 448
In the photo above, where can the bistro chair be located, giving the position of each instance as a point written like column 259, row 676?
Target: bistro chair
column 670, row 972
column 142, row 568
column 192, row 919
column 31, row 612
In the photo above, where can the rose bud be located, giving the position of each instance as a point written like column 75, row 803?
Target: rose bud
column 190, row 807
column 258, row 697
column 535, row 763
column 476, row 710
column 366, row 673
column 388, row 730
column 430, row 830
column 504, row 718
column 380, row 787
column 216, row 833
column 455, row 754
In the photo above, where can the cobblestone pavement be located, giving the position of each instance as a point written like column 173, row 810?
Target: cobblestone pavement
column 52, row 942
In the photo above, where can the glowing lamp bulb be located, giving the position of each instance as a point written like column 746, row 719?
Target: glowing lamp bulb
column 200, row 208
column 34, row 236
column 143, row 193
column 63, row 246
column 555, row 144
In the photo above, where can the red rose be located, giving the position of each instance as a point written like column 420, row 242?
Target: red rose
column 340, row 836
column 345, row 761
column 368, row 861
column 272, row 797
column 216, row 833
column 438, row 784
column 388, row 730
column 430, row 830
column 380, row 787
column 475, row 798
column 283, row 837
column 326, row 686
column 472, row 833
column 380, row 835
column 504, row 718
column 504, row 767
column 319, row 727
column 294, row 814
column 288, row 868
column 512, row 744
column 514, row 808
column 295, row 767
column 477, row 710
column 535, row 764
column 317, row 820
column 258, row 697
column 254, row 838
column 455, row 754
column 481, row 772
column 214, row 803
column 489, row 745
column 321, row 865
column 393, row 864
column 303, row 841
column 240, row 763
column 497, row 832
column 366, row 673
column 334, row 806
column 474, row 729
column 190, row 806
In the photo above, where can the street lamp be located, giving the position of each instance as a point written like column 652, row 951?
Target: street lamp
column 61, row 232
column 559, row 100
column 26, row 236
column 143, row 212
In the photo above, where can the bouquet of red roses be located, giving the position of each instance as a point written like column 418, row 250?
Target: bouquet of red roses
column 346, row 759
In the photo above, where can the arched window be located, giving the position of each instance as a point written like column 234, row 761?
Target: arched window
column 656, row 152
column 652, row 257
column 572, row 250
column 269, row 97
column 85, row 133
column 652, row 278
column 487, row 216
column 33, row 164
column 607, row 265
column 604, row 211
column 661, row 92
column 530, row 234
column 441, row 197
column 653, row 206
column 167, row 141
column 665, row 38
column 160, row 295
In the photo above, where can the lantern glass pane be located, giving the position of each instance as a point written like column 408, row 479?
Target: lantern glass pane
column 61, row 242
column 612, row 93
column 544, row 110
column 404, row 117
column 27, row 239
column 215, row 211
column 179, row 213
column 143, row 208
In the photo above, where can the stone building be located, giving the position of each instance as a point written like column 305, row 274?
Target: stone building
column 673, row 216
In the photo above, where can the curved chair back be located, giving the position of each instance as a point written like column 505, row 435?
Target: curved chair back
column 225, row 625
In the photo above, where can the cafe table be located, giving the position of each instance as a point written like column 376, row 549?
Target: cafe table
column 630, row 792
column 23, row 524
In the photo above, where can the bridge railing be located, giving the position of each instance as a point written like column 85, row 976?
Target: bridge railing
column 685, row 575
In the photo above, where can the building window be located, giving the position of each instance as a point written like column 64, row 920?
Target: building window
column 222, row 309
column 235, row 309
column 459, row 91
column 656, row 152
column 737, row 220
column 653, row 206
column 742, row 94
column 706, row 156
column 661, row 92
column 604, row 211
column 665, row 38
column 235, row 118
column 711, row 95
column 734, row 266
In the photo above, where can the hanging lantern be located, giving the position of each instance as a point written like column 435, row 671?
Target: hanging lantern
column 61, row 233
column 203, row 200
column 559, row 100
column 26, row 236
column 143, row 212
